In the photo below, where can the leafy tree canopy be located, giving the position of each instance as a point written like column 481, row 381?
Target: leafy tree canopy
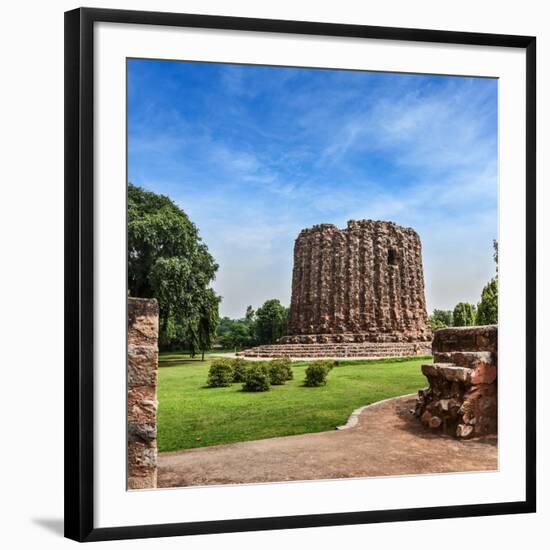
column 271, row 320
column 464, row 315
column 235, row 333
column 487, row 309
column 250, row 314
column 263, row 326
column 441, row 318
column 167, row 260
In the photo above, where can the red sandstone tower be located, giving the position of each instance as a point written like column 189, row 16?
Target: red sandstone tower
column 364, row 283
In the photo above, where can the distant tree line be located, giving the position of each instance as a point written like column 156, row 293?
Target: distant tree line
column 168, row 260
column 465, row 314
column 263, row 326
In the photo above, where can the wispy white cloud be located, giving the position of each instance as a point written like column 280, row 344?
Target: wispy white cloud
column 443, row 129
column 264, row 153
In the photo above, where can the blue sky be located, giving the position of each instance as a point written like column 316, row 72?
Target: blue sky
column 254, row 154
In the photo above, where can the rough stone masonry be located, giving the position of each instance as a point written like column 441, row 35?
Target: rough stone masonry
column 364, row 283
column 143, row 326
column 461, row 399
column 356, row 292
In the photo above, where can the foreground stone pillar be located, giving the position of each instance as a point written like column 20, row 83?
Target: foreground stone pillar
column 143, row 325
column 461, row 399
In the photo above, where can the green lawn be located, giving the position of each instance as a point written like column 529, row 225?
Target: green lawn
column 170, row 355
column 193, row 415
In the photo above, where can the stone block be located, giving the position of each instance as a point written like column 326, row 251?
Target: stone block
column 144, row 479
column 142, row 466
column 448, row 371
column 142, row 432
column 484, row 374
column 464, row 339
column 470, row 359
column 143, row 321
column 142, row 365
column 480, row 408
column 462, row 395
column 142, row 403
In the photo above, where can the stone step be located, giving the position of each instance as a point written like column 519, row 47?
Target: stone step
column 319, row 352
column 449, row 371
column 324, row 350
column 461, row 399
column 366, row 349
column 332, row 356
column 483, row 338
column 337, row 346
column 470, row 359
column 275, row 348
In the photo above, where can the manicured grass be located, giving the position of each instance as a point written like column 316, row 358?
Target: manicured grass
column 193, row 415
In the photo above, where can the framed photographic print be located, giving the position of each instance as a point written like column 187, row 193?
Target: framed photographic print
column 300, row 274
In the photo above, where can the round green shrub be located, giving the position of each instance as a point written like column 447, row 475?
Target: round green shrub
column 239, row 367
column 287, row 365
column 280, row 370
column 257, row 378
column 220, row 374
column 277, row 374
column 317, row 372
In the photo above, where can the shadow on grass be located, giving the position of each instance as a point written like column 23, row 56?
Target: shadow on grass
column 182, row 363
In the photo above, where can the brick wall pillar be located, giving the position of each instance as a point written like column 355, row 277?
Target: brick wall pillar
column 143, row 323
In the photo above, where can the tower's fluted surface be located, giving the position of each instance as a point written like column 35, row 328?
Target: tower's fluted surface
column 364, row 283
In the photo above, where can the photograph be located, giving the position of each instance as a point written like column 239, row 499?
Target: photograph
column 290, row 266
column 312, row 273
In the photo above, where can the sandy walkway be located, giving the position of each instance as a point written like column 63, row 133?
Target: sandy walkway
column 386, row 441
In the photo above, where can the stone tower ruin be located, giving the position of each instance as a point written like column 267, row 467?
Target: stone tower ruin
column 364, row 283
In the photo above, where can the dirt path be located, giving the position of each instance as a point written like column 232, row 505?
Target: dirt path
column 387, row 440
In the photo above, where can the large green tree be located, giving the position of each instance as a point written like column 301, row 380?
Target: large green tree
column 250, row 314
column 208, row 319
column 487, row 309
column 168, row 260
column 271, row 320
column 464, row 315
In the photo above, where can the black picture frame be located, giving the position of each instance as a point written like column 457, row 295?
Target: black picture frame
column 79, row 269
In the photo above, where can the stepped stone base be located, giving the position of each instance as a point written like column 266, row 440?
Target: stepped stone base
column 354, row 338
column 354, row 349
column 461, row 398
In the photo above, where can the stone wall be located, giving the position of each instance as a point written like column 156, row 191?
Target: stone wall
column 142, row 392
column 461, row 399
column 364, row 283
